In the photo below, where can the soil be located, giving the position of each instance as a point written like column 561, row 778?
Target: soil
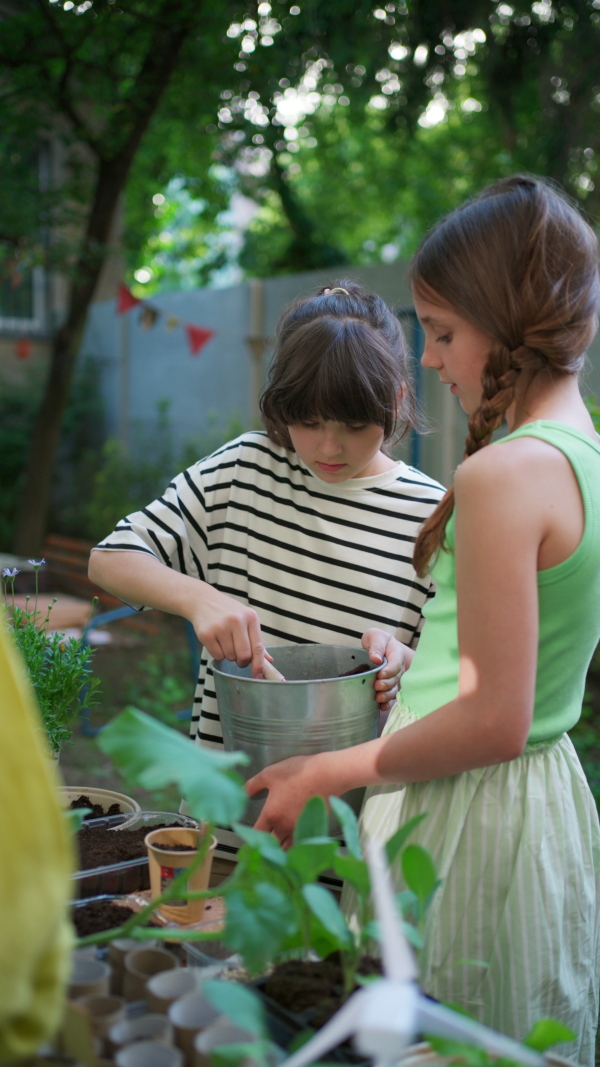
column 96, row 810
column 313, row 989
column 174, row 848
column 99, row 847
column 98, row 916
column 361, row 669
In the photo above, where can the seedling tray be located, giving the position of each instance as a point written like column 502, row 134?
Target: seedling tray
column 130, row 876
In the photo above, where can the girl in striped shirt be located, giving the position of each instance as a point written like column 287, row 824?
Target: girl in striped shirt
column 303, row 533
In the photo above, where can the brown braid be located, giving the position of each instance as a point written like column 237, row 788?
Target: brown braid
column 521, row 264
column 499, row 378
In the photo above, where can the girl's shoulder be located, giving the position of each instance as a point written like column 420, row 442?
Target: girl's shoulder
column 251, row 446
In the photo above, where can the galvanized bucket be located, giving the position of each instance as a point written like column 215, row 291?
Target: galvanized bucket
column 314, row 710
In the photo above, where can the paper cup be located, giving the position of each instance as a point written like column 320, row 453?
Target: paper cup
column 140, row 964
column 149, row 1054
column 87, row 977
column 189, row 1015
column 167, row 865
column 168, row 986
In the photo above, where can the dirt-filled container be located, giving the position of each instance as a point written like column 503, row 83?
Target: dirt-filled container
column 327, row 702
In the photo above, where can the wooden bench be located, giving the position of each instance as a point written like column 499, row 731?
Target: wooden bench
column 66, row 571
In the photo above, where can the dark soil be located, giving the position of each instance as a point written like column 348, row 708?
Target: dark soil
column 174, row 848
column 98, row 916
column 99, row 847
column 361, row 669
column 313, row 989
column 96, row 810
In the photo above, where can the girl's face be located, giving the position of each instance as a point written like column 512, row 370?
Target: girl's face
column 455, row 348
column 335, row 451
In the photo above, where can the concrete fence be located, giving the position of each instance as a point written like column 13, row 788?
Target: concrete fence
column 140, row 367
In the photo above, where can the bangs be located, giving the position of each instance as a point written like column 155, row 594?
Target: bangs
column 344, row 376
column 329, row 398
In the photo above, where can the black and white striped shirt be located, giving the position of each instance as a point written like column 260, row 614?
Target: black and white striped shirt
column 318, row 562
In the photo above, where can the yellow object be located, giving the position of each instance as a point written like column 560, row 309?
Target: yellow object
column 36, row 859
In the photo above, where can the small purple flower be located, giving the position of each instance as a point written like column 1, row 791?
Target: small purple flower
column 7, row 573
column 34, row 564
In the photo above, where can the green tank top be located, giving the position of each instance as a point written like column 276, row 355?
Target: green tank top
column 569, row 609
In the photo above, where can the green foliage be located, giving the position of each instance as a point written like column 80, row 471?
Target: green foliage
column 58, row 667
column 239, row 1004
column 544, row 1035
column 126, row 480
column 302, row 916
column 152, row 755
column 548, row 1032
column 159, row 688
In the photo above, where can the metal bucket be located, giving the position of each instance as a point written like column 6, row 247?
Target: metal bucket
column 314, row 710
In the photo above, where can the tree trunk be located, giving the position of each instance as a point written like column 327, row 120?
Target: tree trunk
column 113, row 170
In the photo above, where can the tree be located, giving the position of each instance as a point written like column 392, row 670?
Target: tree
column 417, row 106
column 406, row 109
column 91, row 77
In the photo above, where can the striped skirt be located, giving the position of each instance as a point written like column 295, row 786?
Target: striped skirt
column 517, row 847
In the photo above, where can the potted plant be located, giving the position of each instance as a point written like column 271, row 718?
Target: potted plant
column 275, row 907
column 59, row 667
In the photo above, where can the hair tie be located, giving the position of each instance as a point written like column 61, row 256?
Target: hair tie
column 336, row 289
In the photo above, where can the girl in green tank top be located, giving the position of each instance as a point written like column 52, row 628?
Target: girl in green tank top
column 507, row 291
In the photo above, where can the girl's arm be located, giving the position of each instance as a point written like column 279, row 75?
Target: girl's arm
column 227, row 628
column 501, row 520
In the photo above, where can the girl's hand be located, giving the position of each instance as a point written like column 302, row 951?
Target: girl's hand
column 380, row 644
column 229, row 630
column 291, row 784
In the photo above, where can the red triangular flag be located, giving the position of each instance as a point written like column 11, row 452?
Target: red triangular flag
column 23, row 348
column 126, row 300
column 197, row 337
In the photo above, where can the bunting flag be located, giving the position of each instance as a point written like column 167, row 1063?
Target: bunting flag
column 126, row 300
column 148, row 317
column 23, row 348
column 197, row 336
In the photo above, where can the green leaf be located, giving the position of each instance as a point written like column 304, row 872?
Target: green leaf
column 239, row 1003
column 310, row 858
column 547, row 1032
column 259, row 920
column 76, row 818
column 419, row 871
column 313, row 820
column 349, row 824
column 322, row 904
column 153, row 755
column 408, row 904
column 460, row 1051
column 239, row 1053
column 397, row 841
column 353, row 870
column 265, row 844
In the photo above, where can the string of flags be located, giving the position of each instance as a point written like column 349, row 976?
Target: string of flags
column 197, row 336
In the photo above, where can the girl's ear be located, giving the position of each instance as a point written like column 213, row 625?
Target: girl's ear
column 401, row 395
